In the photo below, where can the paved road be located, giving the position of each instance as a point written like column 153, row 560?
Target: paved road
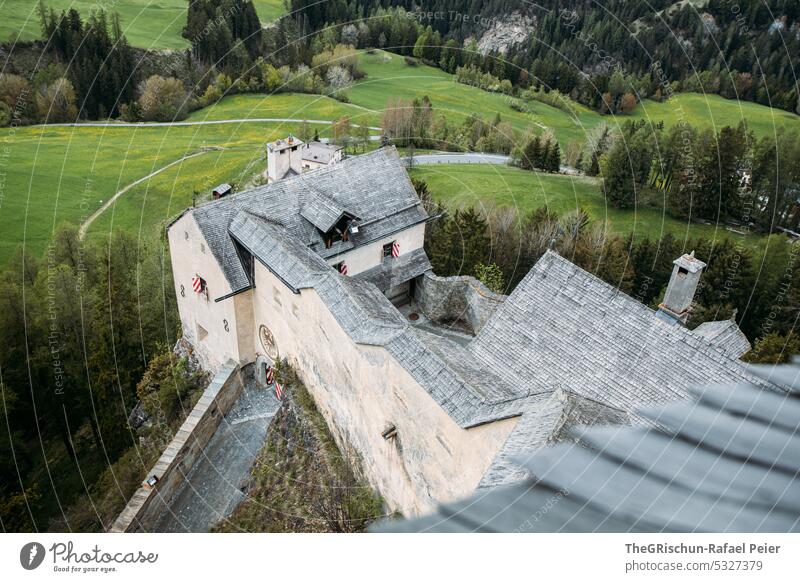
column 474, row 158
column 212, row 488
column 190, row 123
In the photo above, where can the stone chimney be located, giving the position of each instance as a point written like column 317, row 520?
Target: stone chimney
column 678, row 299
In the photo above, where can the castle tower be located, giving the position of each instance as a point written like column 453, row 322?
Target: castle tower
column 284, row 158
column 677, row 303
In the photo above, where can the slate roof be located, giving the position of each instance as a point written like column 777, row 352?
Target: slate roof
column 374, row 187
column 727, row 460
column 563, row 349
column 564, row 328
column 395, row 271
column 726, row 335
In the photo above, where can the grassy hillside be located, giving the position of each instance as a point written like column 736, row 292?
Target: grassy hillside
column 63, row 174
column 491, row 186
column 389, row 75
column 285, row 106
column 147, row 24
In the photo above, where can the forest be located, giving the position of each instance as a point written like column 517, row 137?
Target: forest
column 745, row 50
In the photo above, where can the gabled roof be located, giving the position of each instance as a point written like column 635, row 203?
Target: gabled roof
column 321, row 211
column 374, row 187
column 392, row 272
column 726, row 335
column 562, row 327
column 727, row 460
column 321, row 153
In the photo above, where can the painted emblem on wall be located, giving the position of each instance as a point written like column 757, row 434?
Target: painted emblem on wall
column 268, row 342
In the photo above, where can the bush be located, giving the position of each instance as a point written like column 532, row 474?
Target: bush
column 17, row 94
column 56, row 102
column 164, row 386
column 163, row 99
column 411, row 61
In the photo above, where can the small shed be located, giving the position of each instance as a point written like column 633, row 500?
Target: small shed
column 221, row 191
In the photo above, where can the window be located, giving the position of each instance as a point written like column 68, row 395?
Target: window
column 391, row 249
column 341, row 267
column 201, row 332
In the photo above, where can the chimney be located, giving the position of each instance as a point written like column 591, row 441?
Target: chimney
column 680, row 291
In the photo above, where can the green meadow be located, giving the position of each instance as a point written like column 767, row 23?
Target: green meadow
column 147, row 24
column 494, row 186
column 389, row 75
column 54, row 175
column 285, row 106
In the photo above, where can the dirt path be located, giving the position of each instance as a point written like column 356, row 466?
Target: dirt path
column 87, row 223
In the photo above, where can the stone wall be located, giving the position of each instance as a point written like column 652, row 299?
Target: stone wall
column 461, row 301
column 147, row 504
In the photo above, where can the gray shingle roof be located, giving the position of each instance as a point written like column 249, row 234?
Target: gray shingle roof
column 393, row 272
column 726, row 335
column 320, row 211
column 284, row 255
column 564, row 328
column 374, row 186
column 728, row 460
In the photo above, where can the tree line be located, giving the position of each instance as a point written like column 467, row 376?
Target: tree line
column 79, row 326
column 724, row 176
column 499, row 247
column 578, row 46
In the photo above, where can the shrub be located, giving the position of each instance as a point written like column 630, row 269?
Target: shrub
column 56, row 102
column 163, row 99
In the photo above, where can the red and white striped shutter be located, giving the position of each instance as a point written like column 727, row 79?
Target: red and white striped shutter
column 343, row 268
column 197, row 284
column 270, row 375
column 395, row 249
column 278, row 391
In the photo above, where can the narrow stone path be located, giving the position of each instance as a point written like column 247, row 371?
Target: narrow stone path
column 212, row 488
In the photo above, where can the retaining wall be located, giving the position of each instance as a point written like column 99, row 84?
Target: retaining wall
column 147, row 504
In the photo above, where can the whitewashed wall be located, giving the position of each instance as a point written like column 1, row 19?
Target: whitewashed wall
column 192, row 256
column 361, row 390
column 365, row 257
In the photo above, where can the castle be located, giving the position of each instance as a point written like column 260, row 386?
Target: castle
column 434, row 384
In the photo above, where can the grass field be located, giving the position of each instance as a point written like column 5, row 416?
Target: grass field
column 389, row 75
column 285, row 105
column 491, row 186
column 60, row 174
column 56, row 175
column 147, row 24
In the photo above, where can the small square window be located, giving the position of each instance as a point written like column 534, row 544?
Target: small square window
column 341, row 267
column 387, row 250
column 202, row 248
